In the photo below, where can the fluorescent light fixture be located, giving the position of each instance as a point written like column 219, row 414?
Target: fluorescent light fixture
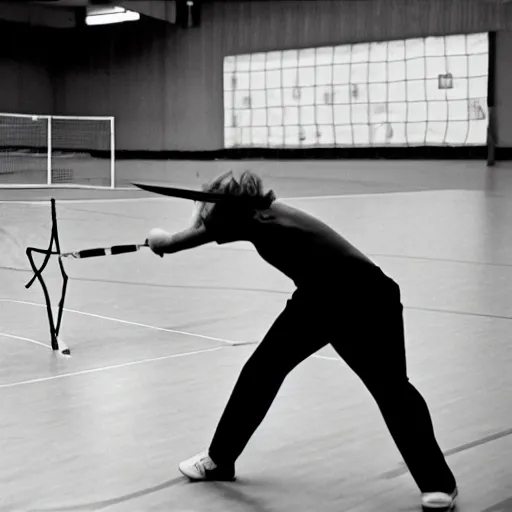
column 109, row 9
column 108, row 15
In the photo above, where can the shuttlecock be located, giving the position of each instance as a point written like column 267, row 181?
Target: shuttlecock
column 63, row 349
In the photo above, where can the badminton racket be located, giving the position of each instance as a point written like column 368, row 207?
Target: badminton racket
column 207, row 197
column 104, row 251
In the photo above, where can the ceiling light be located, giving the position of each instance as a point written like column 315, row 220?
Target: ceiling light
column 108, row 15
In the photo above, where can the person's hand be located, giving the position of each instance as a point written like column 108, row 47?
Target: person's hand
column 158, row 240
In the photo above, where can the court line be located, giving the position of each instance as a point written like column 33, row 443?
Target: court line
column 235, row 343
column 25, row 339
column 237, row 247
column 60, row 186
column 128, row 322
column 402, row 468
column 502, row 506
column 441, row 260
column 343, row 196
column 229, row 343
column 111, row 367
column 463, row 313
column 298, row 198
column 98, row 505
column 43, row 202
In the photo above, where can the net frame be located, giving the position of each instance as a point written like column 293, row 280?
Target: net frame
column 49, row 151
column 56, row 342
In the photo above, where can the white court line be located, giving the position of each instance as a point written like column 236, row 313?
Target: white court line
column 128, row 322
column 344, row 196
column 43, row 202
column 284, row 199
column 212, row 338
column 61, row 186
column 105, row 368
column 25, row 339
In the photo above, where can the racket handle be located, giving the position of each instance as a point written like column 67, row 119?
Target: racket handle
column 122, row 249
column 104, row 251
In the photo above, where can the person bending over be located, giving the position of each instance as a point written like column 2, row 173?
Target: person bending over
column 341, row 298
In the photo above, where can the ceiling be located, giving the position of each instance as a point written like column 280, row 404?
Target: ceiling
column 72, row 4
column 68, row 3
column 83, row 3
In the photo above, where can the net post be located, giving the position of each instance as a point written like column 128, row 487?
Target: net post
column 112, row 153
column 56, row 241
column 491, row 88
column 49, row 149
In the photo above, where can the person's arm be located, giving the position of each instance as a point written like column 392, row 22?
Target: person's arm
column 161, row 242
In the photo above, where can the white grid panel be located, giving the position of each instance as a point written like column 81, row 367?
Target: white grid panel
column 360, row 95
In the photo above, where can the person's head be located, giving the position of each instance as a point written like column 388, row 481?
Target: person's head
column 247, row 185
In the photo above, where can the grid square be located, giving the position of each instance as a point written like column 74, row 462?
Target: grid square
column 342, row 115
column 289, row 59
column 274, row 98
column 323, row 75
column 378, row 93
column 325, row 56
column 242, row 63
column 259, row 117
column 274, row 61
column 343, row 134
column 257, row 81
column 397, row 71
column 324, row 115
column 379, row 52
column 276, row 136
column 343, row 54
column 273, row 79
column 456, row 45
column 258, row 99
column 360, row 53
column 478, row 65
column 258, row 62
column 396, row 51
column 378, row 72
column 415, row 48
column 307, row 115
column 458, row 65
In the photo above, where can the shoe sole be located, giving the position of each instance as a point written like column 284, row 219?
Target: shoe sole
column 449, row 508
column 206, row 479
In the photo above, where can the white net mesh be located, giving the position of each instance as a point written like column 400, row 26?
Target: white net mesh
column 23, row 149
column 56, row 150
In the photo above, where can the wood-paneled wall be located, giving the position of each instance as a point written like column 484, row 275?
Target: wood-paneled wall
column 164, row 84
column 25, row 81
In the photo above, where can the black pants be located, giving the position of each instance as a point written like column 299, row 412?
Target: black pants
column 362, row 319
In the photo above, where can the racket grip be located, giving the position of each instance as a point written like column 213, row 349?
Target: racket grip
column 122, row 249
column 116, row 249
column 91, row 253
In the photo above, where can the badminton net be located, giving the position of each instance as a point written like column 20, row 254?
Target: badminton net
column 39, row 151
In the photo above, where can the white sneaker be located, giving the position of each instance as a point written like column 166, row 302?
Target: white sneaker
column 202, row 467
column 439, row 501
